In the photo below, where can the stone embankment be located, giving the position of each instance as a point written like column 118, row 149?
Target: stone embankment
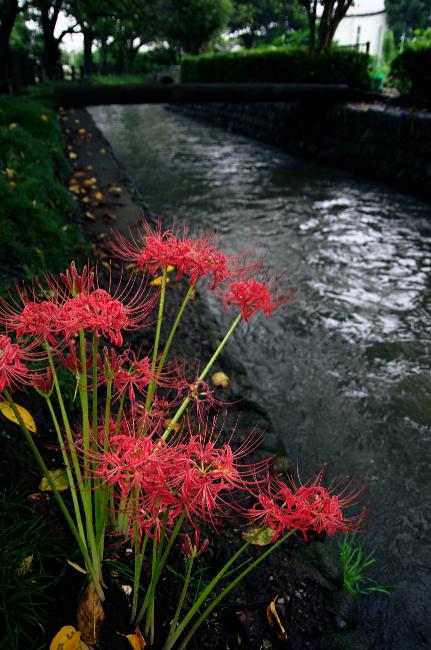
column 379, row 141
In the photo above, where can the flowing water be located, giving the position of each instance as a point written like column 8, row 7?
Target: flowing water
column 345, row 372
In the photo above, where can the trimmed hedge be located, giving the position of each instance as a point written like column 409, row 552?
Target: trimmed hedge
column 281, row 65
column 411, row 72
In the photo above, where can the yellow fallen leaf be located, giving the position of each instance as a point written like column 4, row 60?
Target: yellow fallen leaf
column 13, row 125
column 66, row 639
column 25, row 565
column 82, row 131
column 85, row 199
column 90, row 216
column 59, row 478
column 176, row 426
column 12, row 184
column 73, row 155
column 274, row 620
column 106, row 265
column 8, row 413
column 259, row 536
column 103, row 152
column 34, row 203
column 170, row 268
column 88, row 168
column 44, row 118
column 88, row 182
column 115, row 189
column 220, row 379
column 98, row 196
column 158, row 281
column 136, row 640
column 77, row 567
column 10, row 173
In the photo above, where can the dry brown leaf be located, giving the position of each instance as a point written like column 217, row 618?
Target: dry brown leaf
column 89, row 182
column 25, row 565
column 58, row 477
column 90, row 216
column 88, row 168
column 110, row 216
column 259, row 536
column 99, row 196
column 115, row 189
column 275, row 622
column 66, row 639
column 220, row 379
column 85, row 199
column 158, row 281
column 90, row 615
column 82, row 131
column 136, row 640
column 27, row 418
column 79, row 174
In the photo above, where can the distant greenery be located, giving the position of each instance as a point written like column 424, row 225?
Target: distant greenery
column 405, row 16
column 37, row 213
column 355, row 566
column 291, row 64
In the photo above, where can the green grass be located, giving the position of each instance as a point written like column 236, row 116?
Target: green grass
column 27, row 547
column 114, row 79
column 38, row 216
column 355, row 565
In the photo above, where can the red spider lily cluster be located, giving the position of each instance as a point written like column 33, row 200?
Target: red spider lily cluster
column 147, row 452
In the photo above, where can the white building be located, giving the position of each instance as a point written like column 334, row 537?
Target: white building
column 365, row 22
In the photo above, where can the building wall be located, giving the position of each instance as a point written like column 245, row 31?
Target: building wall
column 362, row 29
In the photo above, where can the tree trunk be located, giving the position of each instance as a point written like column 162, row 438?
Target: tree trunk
column 333, row 13
column 88, row 54
column 51, row 54
column 8, row 15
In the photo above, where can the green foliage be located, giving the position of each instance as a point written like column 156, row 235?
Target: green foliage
column 38, row 230
column 407, row 15
column 410, row 70
column 189, row 26
column 274, row 65
column 260, row 18
column 355, row 564
column 389, row 49
column 28, row 548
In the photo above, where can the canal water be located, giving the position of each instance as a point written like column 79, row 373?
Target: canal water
column 345, row 371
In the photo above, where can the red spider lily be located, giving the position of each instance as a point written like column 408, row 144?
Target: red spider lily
column 252, row 296
column 97, row 311
column 195, row 548
column 43, row 382
column 194, row 257
column 129, row 373
column 78, row 284
column 309, row 507
column 13, row 371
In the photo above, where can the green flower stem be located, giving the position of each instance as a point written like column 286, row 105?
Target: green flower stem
column 119, row 413
column 201, row 377
column 174, row 328
column 155, row 573
column 95, row 351
column 83, row 394
column 139, row 558
column 182, row 598
column 149, row 621
column 75, row 532
column 206, row 592
column 67, row 428
column 68, row 471
column 152, row 385
column 161, row 564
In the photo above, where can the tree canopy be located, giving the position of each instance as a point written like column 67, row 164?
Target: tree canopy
column 407, row 15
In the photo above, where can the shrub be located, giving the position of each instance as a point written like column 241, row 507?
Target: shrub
column 290, row 64
column 411, row 71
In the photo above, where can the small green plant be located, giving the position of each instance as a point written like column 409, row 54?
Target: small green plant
column 355, row 563
column 28, row 548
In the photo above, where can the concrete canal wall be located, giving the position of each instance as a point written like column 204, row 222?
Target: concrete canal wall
column 379, row 141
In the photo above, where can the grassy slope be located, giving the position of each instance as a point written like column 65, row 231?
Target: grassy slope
column 38, row 216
